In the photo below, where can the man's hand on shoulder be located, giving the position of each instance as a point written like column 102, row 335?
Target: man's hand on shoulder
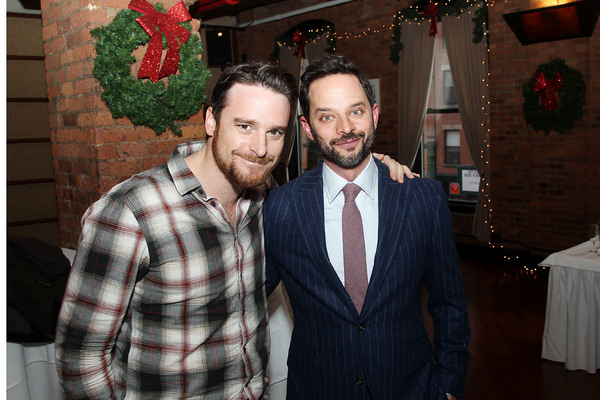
column 397, row 170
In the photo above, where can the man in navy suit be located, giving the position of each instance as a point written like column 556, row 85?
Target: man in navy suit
column 375, row 347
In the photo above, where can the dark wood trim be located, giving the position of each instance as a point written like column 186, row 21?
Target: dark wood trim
column 29, row 181
column 27, row 100
column 23, row 15
column 28, row 140
column 24, row 58
column 32, row 221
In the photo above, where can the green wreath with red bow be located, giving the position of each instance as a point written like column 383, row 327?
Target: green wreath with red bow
column 150, row 102
column 554, row 97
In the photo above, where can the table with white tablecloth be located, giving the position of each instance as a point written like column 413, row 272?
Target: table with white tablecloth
column 572, row 325
column 31, row 368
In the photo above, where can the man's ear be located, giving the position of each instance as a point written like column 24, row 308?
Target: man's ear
column 306, row 127
column 210, row 123
column 375, row 115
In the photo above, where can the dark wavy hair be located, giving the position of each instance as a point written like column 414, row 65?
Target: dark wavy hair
column 258, row 73
column 330, row 64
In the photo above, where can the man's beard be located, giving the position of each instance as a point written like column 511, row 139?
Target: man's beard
column 245, row 179
column 330, row 153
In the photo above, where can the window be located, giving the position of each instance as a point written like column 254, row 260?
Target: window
column 452, row 153
column 449, row 93
column 440, row 156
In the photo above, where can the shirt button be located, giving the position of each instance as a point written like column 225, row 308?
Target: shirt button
column 361, row 327
column 359, row 381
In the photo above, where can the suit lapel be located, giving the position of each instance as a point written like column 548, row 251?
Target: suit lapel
column 309, row 210
column 392, row 209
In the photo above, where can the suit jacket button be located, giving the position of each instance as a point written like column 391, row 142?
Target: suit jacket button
column 359, row 381
column 361, row 327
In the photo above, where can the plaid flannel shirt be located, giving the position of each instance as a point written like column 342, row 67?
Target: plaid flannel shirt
column 166, row 296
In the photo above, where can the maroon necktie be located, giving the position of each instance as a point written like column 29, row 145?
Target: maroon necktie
column 355, row 259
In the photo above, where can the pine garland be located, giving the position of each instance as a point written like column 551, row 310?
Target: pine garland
column 147, row 103
column 313, row 30
column 453, row 8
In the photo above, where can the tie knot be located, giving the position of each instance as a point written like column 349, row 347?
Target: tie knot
column 351, row 190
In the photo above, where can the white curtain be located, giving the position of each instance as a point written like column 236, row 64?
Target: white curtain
column 414, row 80
column 469, row 66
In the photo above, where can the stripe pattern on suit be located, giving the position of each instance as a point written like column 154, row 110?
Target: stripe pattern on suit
column 384, row 352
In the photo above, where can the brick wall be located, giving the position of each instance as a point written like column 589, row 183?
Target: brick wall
column 92, row 151
column 545, row 188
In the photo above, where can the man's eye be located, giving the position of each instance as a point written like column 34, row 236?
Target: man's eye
column 357, row 112
column 244, row 127
column 277, row 133
column 326, row 118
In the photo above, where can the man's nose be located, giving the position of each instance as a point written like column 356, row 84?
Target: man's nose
column 258, row 144
column 345, row 125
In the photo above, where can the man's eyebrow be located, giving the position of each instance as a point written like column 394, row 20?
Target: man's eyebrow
column 253, row 122
column 327, row 109
column 244, row 121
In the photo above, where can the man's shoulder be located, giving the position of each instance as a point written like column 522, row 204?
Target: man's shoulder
column 140, row 182
column 309, row 177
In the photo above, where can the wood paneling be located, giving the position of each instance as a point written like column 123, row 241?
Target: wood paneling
column 29, row 161
column 28, row 202
column 24, row 36
column 27, row 120
column 25, row 78
column 31, row 206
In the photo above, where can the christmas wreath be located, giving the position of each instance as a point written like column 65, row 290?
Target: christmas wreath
column 554, row 97
column 149, row 102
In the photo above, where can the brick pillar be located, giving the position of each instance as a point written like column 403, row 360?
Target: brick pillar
column 92, row 151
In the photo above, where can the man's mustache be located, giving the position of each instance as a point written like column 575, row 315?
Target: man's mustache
column 347, row 137
column 252, row 158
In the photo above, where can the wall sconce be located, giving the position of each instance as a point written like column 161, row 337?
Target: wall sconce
column 565, row 21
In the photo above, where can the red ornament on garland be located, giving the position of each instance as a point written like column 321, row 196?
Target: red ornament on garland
column 156, row 24
column 431, row 11
column 299, row 39
column 548, row 89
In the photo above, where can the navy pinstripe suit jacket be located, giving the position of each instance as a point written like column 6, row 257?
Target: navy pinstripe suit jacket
column 383, row 353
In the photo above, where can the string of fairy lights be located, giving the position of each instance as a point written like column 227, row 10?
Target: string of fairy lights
column 446, row 9
column 450, row 8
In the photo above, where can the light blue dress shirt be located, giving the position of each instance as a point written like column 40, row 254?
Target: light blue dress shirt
column 368, row 206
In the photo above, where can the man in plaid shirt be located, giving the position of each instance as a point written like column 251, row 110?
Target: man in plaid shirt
column 166, row 296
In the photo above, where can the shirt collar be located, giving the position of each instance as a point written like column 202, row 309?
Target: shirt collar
column 333, row 183
column 183, row 178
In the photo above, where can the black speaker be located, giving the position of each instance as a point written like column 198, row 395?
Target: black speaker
column 219, row 47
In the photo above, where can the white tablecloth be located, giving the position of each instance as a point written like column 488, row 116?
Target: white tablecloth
column 572, row 325
column 31, row 369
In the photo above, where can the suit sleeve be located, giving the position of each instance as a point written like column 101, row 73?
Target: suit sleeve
column 269, row 218
column 447, row 304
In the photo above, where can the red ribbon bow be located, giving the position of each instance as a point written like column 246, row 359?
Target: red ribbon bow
column 156, row 24
column 431, row 11
column 299, row 39
column 548, row 87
